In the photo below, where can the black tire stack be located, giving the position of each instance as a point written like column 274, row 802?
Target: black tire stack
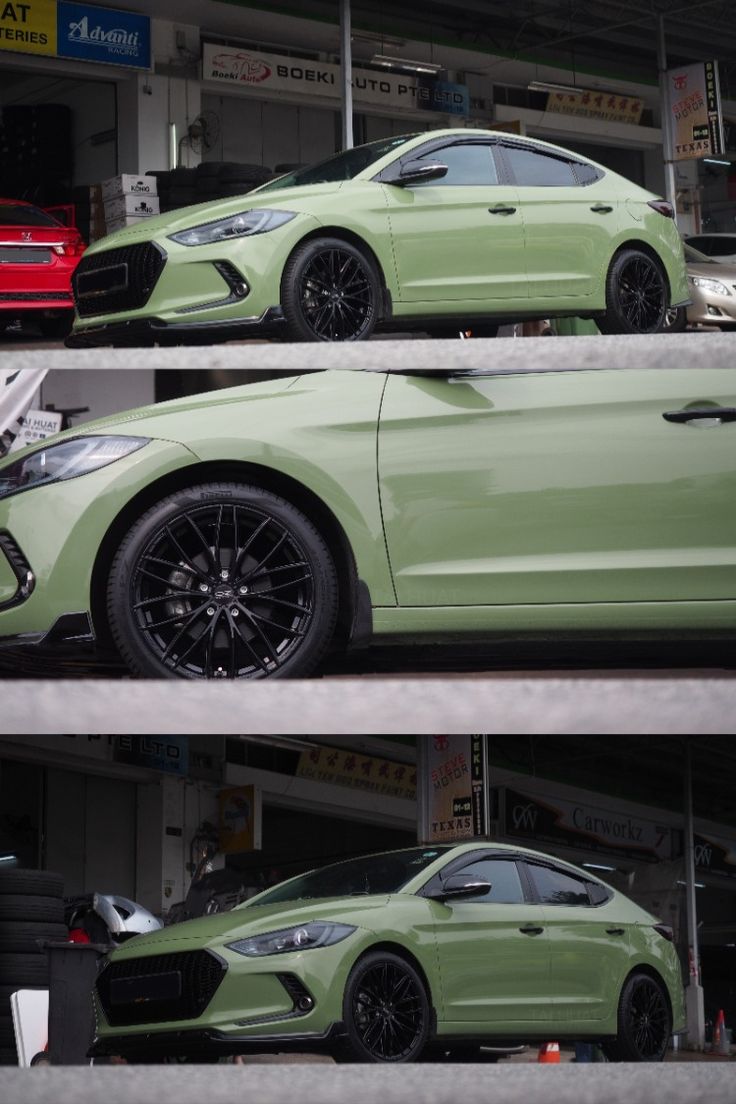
column 210, row 180
column 31, row 909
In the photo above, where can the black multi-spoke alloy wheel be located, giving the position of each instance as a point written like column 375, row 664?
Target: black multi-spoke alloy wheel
column 330, row 291
column 636, row 294
column 385, row 1010
column 222, row 580
column 644, row 1022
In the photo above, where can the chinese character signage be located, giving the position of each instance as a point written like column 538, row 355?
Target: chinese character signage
column 360, row 772
column 589, row 826
column 76, row 31
column 695, row 111
column 263, row 72
column 588, row 103
column 240, row 820
column 454, row 801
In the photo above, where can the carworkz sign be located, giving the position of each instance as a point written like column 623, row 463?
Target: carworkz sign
column 80, row 31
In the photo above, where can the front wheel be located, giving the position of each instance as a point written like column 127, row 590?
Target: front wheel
column 636, row 295
column 385, row 1010
column 330, row 291
column 644, row 1022
column 222, row 580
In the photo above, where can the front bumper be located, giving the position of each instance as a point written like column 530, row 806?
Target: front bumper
column 210, row 1043
column 156, row 331
column 710, row 309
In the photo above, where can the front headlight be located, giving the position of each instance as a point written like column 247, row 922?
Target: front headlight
column 66, row 460
column 713, row 286
column 302, row 938
column 237, row 226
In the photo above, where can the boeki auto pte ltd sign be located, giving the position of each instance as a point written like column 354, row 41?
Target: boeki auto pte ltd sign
column 289, row 75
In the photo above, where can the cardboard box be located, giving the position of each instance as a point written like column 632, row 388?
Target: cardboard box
column 95, row 194
column 129, row 184
column 125, row 220
column 131, row 205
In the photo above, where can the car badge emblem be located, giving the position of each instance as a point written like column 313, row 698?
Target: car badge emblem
column 26, row 235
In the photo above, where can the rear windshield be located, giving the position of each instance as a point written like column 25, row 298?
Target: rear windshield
column 20, row 214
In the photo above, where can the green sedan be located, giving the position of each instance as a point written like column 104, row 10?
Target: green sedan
column 433, row 232
column 247, row 532
column 389, row 956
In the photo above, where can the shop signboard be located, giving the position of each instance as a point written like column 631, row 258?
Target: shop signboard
column 695, row 111
column 264, row 73
column 383, row 777
column 168, row 754
column 35, row 426
column 240, row 820
column 714, row 855
column 81, row 31
column 453, row 803
column 590, row 103
column 592, row 827
column 28, row 27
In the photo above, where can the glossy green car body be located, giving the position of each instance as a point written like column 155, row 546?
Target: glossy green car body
column 443, row 250
column 480, row 504
column 512, row 969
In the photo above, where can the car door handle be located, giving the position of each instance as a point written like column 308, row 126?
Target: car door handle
column 501, row 209
column 531, row 929
column 615, row 931
column 601, row 209
column 719, row 413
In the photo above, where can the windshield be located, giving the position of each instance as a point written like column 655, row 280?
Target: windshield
column 693, row 256
column 343, row 166
column 385, row 873
column 20, row 214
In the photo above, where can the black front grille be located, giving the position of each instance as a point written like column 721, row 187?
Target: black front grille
column 34, row 296
column 200, row 972
column 143, row 265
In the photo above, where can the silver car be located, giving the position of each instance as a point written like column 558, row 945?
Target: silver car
column 712, row 286
column 721, row 247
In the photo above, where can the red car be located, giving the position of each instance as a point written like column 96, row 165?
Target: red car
column 38, row 255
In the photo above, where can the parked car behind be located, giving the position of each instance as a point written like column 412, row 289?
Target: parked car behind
column 721, row 247
column 712, row 289
column 38, row 255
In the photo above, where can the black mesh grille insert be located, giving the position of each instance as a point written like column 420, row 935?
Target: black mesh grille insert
column 200, row 973
column 34, row 296
column 140, row 267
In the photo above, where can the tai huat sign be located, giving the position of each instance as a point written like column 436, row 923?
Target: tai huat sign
column 57, row 28
column 259, row 72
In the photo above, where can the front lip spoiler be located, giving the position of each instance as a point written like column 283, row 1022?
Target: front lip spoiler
column 200, row 1042
column 69, row 628
column 150, row 331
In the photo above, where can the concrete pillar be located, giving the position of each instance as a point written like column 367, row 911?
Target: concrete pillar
column 694, row 990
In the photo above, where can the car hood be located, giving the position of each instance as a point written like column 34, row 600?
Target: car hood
column 245, row 921
column 725, row 273
column 185, row 217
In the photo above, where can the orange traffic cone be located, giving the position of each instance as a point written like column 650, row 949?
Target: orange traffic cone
column 720, row 1038
column 549, row 1053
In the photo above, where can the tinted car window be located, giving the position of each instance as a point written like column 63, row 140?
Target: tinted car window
column 506, row 888
column 585, row 173
column 556, row 888
column 343, row 166
column 704, row 244
column 467, row 164
column 12, row 214
column 533, row 169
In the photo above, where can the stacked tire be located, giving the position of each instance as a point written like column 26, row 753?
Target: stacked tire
column 31, row 909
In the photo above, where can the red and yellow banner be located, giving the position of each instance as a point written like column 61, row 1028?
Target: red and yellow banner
column 28, row 27
column 587, row 103
column 360, row 772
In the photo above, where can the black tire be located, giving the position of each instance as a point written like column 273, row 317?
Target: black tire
column 385, row 1010
column 644, row 1022
column 636, row 294
column 36, row 910
column 24, row 971
column 6, row 991
column 16, row 938
column 32, row 883
column 210, row 559
column 7, row 1031
column 8, row 1056
column 675, row 320
column 330, row 291
column 234, row 170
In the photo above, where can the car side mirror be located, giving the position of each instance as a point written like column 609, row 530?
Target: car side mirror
column 415, row 172
column 460, row 885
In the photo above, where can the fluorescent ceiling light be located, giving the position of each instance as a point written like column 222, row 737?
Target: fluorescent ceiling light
column 390, row 62
column 548, row 86
column 716, row 161
column 598, row 866
column 698, row 885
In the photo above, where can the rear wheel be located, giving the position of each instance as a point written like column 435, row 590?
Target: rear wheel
column 636, row 294
column 330, row 291
column 644, row 1022
column 385, row 1010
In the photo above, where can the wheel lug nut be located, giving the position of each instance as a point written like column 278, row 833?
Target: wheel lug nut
column 243, row 589
column 224, row 574
column 204, row 588
column 235, row 612
column 210, row 611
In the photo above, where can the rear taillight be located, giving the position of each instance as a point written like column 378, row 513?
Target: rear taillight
column 663, row 207
column 666, row 932
column 73, row 248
